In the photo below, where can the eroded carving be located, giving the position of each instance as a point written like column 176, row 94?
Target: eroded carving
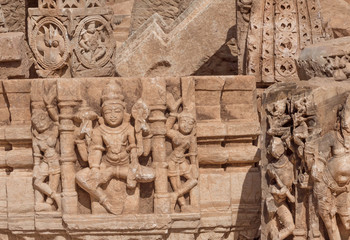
column 94, row 40
column 49, row 43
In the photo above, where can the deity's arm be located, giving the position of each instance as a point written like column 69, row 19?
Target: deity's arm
column 36, row 153
column 82, row 42
column 171, row 133
column 95, row 149
column 132, row 145
column 53, row 113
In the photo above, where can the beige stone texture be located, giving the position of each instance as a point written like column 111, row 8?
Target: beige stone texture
column 179, row 49
column 14, row 61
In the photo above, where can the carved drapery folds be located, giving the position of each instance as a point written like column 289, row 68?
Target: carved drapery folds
column 72, row 38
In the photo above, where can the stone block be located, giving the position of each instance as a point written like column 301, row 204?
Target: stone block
column 14, row 62
column 20, row 199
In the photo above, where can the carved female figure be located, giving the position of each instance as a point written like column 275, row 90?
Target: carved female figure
column 184, row 145
column 46, row 157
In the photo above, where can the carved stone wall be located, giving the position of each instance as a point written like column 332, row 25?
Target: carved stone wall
column 305, row 174
column 148, row 158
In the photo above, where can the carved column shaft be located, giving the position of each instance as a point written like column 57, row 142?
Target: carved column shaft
column 68, row 158
column 157, row 119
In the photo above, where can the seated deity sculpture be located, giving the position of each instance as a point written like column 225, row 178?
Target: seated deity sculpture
column 112, row 153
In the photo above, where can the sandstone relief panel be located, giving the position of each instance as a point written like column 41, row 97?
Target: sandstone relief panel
column 77, row 44
column 132, row 155
column 307, row 178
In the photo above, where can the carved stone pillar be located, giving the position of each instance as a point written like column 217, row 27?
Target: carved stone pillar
column 154, row 92
column 67, row 100
column 157, row 119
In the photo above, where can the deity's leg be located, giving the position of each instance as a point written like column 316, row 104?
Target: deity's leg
column 39, row 181
column 188, row 185
column 286, row 218
column 54, row 181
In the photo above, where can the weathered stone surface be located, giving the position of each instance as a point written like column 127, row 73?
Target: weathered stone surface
column 14, row 62
column 326, row 59
column 158, row 49
column 169, row 10
column 334, row 15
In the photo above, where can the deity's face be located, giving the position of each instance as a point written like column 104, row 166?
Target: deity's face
column 279, row 108
column 41, row 122
column 91, row 27
column 186, row 125
column 113, row 115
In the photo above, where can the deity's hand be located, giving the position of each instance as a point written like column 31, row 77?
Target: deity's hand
column 36, row 171
column 173, row 105
column 50, row 97
column 195, row 172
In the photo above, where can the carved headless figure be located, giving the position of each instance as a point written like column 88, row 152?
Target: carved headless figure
column 332, row 176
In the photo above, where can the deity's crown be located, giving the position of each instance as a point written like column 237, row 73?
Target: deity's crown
column 112, row 94
column 186, row 114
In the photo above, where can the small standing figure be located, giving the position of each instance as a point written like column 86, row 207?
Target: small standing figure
column 300, row 132
column 278, row 119
column 281, row 181
column 91, row 42
column 112, row 153
column 46, row 157
column 183, row 137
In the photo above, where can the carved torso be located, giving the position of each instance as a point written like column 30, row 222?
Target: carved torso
column 115, row 141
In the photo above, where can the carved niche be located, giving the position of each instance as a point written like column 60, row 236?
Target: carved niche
column 109, row 150
column 75, row 40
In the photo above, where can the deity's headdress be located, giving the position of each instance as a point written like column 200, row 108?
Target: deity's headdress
column 186, row 114
column 112, row 94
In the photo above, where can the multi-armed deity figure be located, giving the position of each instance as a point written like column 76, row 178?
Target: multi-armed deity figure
column 281, row 181
column 46, row 156
column 183, row 137
column 112, row 153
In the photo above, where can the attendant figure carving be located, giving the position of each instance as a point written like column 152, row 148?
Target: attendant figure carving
column 46, row 156
column 281, row 182
column 331, row 174
column 182, row 160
